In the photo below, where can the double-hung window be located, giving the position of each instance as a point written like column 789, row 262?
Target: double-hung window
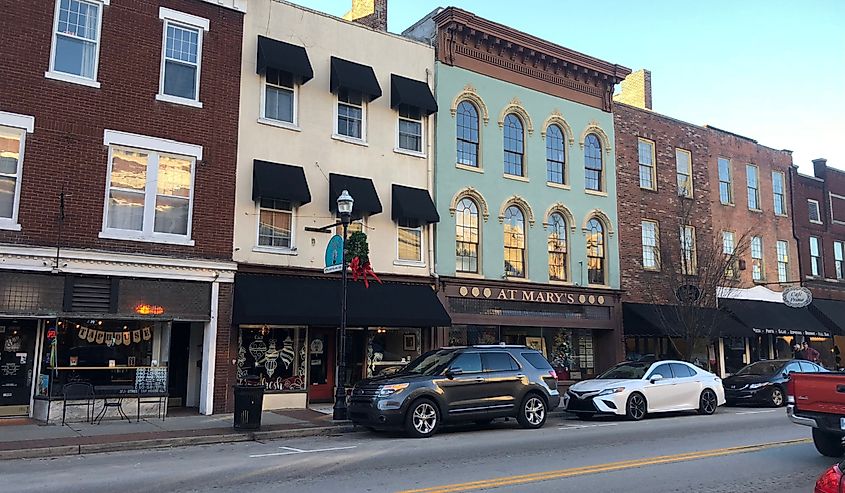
column 779, row 193
column 838, row 256
column 813, row 211
column 13, row 130
column 350, row 114
column 410, row 129
column 728, row 248
column 76, row 41
column 149, row 190
column 689, row 257
column 815, row 257
column 279, row 97
column 648, row 177
column 753, row 186
column 683, row 166
column 409, row 242
column 650, row 240
column 725, row 184
column 783, row 260
column 181, row 58
column 757, row 269
column 275, row 224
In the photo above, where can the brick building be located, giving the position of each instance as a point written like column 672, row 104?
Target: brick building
column 118, row 143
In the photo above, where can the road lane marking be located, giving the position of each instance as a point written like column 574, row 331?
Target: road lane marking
column 292, row 451
column 580, row 427
column 600, row 468
column 759, row 412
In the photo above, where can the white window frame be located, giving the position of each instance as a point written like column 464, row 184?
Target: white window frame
column 51, row 73
column 782, row 260
column 730, row 182
column 188, row 21
column 689, row 270
column 758, row 240
column 25, row 124
column 782, row 193
column 345, row 138
column 406, row 262
column 272, row 249
column 652, row 167
column 150, row 145
column 839, row 260
column 656, row 253
column 262, row 118
column 816, row 262
column 758, row 205
column 811, row 202
column 690, row 192
column 423, row 124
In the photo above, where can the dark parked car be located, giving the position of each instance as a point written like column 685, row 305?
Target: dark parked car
column 764, row 382
column 476, row 383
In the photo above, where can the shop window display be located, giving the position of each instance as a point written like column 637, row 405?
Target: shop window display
column 276, row 356
column 389, row 349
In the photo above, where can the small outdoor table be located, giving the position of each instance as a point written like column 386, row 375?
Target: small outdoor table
column 113, row 396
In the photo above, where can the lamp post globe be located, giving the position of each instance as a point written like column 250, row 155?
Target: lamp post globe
column 344, row 209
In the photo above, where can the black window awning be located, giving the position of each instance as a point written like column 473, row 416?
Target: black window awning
column 362, row 190
column 288, row 300
column 354, row 77
column 279, row 182
column 831, row 312
column 767, row 317
column 642, row 319
column 413, row 93
column 413, row 206
column 284, row 57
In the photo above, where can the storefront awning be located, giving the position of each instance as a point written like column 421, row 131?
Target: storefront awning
column 766, row 317
column 355, row 77
column 642, row 319
column 413, row 206
column 279, row 182
column 413, row 93
column 362, row 190
column 286, row 300
column 284, row 57
column 833, row 311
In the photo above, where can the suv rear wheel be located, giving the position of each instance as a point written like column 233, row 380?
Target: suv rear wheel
column 532, row 412
column 422, row 419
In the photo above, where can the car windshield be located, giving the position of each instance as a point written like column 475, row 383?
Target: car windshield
column 430, row 363
column 627, row 370
column 766, row 368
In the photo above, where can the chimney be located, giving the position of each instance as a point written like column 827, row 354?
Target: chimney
column 820, row 168
column 371, row 13
column 636, row 90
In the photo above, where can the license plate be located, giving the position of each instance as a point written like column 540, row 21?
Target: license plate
column 842, row 423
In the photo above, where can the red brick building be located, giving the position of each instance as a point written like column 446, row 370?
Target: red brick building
column 118, row 145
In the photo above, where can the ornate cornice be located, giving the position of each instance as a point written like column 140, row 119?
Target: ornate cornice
column 515, row 107
column 470, row 94
column 563, row 211
column 477, row 44
column 519, row 202
column 473, row 195
column 556, row 118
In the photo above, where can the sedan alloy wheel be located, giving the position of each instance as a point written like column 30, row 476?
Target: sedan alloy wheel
column 636, row 408
column 708, row 402
column 777, row 397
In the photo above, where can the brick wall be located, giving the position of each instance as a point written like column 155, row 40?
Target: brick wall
column 635, row 90
column 371, row 13
column 66, row 150
column 636, row 204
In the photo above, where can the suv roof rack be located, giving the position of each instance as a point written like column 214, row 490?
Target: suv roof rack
column 494, row 346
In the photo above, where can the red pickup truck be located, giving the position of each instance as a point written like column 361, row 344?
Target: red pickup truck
column 818, row 400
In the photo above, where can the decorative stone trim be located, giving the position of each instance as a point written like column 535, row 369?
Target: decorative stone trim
column 515, row 107
column 470, row 94
column 594, row 128
column 563, row 211
column 602, row 217
column 475, row 196
column 519, row 202
column 556, row 118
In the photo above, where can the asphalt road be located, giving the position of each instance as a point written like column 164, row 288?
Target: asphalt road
column 736, row 450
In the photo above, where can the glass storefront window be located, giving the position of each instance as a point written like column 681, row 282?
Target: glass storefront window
column 276, row 356
column 389, row 349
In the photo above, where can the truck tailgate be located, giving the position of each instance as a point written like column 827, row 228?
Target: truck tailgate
column 818, row 392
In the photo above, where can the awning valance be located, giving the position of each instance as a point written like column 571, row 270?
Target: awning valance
column 413, row 93
column 413, row 206
column 642, row 319
column 288, row 300
column 832, row 312
column 362, row 190
column 279, row 182
column 285, row 57
column 355, row 77
column 767, row 317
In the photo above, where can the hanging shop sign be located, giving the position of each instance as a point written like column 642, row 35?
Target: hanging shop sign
column 334, row 255
column 797, row 297
column 145, row 309
column 112, row 338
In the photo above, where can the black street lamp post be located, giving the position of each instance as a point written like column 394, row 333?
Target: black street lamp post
column 344, row 209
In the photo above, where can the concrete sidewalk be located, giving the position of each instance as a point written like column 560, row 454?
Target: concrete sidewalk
column 24, row 438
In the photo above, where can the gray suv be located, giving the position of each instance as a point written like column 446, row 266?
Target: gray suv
column 476, row 383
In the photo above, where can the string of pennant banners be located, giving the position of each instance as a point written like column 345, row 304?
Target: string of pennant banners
column 116, row 338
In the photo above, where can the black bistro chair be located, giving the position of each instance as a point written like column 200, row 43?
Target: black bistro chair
column 78, row 391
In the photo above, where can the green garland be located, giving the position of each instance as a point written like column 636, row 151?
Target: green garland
column 356, row 246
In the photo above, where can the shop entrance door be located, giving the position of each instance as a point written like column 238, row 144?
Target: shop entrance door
column 321, row 361
column 17, row 352
column 180, row 335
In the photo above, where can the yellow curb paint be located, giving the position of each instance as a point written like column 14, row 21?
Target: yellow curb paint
column 599, row 468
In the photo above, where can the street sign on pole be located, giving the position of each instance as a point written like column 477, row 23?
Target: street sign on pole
column 334, row 255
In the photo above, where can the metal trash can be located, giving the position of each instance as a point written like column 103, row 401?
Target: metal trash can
column 249, row 400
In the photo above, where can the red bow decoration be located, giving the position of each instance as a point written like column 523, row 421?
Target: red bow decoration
column 362, row 270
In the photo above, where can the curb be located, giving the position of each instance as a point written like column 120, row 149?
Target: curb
column 158, row 443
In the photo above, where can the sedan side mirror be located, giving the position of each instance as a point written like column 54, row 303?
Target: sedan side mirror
column 454, row 372
column 656, row 378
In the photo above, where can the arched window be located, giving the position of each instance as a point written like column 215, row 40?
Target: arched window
column 514, row 242
column 467, row 134
column 592, row 162
column 595, row 252
column 557, row 247
column 514, row 146
column 466, row 236
column 555, row 156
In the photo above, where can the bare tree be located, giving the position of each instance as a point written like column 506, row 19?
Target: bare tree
column 695, row 267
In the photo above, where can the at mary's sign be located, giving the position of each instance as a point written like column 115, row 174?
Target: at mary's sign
column 797, row 297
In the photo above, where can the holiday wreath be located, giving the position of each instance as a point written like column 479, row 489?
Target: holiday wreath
column 358, row 257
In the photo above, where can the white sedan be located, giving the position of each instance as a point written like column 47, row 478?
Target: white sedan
column 634, row 389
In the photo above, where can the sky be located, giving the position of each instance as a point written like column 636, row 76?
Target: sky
column 771, row 70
